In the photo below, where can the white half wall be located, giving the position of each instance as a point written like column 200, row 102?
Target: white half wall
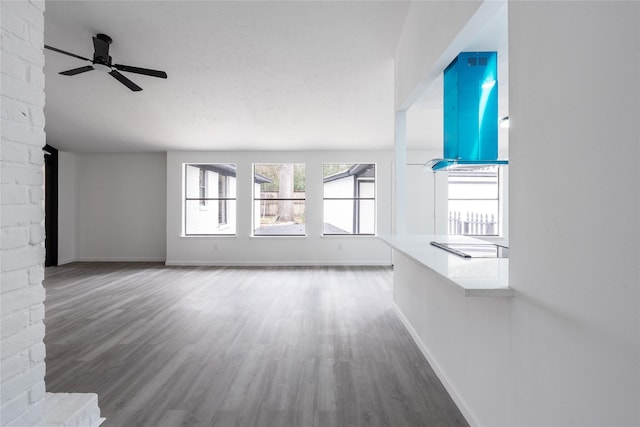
column 67, row 207
column 465, row 339
column 244, row 249
column 121, row 207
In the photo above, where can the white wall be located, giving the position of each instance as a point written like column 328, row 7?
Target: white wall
column 67, row 207
column 122, row 207
column 243, row 249
column 22, row 349
column 429, row 30
column 575, row 212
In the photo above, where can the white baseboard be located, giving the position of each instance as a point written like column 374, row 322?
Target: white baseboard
column 459, row 401
column 191, row 263
column 120, row 259
column 187, row 263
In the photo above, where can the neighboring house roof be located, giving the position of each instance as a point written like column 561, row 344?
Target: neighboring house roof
column 359, row 170
column 220, row 168
column 261, row 179
column 229, row 170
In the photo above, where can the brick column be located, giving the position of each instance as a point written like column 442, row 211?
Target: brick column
column 22, row 98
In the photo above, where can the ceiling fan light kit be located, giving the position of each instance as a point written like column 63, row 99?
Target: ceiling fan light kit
column 102, row 62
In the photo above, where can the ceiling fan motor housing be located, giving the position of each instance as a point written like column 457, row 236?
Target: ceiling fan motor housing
column 101, row 57
column 104, row 38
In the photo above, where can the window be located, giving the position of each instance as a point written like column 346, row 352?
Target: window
column 279, row 199
column 349, row 198
column 210, row 199
column 474, row 201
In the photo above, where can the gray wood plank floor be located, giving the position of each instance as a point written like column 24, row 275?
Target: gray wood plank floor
column 205, row 346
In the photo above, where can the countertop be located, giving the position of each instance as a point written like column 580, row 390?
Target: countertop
column 475, row 276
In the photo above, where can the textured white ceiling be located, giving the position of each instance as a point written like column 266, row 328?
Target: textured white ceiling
column 241, row 75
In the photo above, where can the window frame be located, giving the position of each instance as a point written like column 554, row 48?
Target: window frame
column 222, row 201
column 256, row 199
column 356, row 199
column 498, row 199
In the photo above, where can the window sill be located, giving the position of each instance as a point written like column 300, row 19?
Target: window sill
column 278, row 236
column 360, row 236
column 208, row 236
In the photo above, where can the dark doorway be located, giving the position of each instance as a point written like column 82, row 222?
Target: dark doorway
column 51, row 205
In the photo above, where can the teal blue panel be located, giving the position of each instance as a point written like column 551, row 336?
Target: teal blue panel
column 471, row 107
column 451, row 111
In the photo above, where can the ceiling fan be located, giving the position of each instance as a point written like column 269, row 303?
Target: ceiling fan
column 102, row 61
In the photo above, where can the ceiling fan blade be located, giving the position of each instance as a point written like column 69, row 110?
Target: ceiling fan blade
column 75, row 71
column 125, row 81
column 55, row 49
column 101, row 48
column 138, row 70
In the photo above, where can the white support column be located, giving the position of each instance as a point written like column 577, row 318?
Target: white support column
column 400, row 174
